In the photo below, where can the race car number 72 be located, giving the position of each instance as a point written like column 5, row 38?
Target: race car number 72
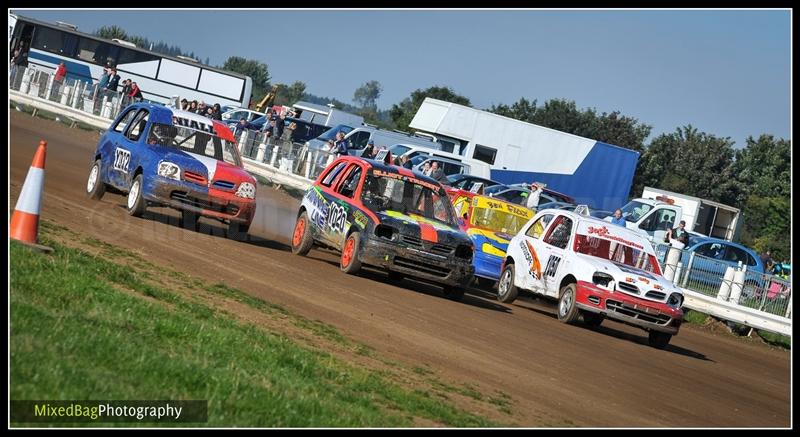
column 122, row 158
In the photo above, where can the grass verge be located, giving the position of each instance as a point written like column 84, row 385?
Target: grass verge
column 85, row 326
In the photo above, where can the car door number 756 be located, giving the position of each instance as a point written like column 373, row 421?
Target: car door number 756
column 122, row 158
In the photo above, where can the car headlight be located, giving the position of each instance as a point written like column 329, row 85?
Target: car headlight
column 604, row 280
column 246, row 190
column 386, row 232
column 464, row 251
column 169, row 170
column 675, row 300
column 489, row 249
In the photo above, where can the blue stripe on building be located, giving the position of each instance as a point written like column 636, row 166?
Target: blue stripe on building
column 602, row 181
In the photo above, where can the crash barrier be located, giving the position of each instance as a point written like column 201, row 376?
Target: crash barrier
column 81, row 96
column 283, row 155
column 714, row 287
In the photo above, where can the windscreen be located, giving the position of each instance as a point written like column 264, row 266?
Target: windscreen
column 616, row 251
column 387, row 191
column 194, row 141
column 498, row 216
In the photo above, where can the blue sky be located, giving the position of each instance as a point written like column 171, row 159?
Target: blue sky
column 727, row 72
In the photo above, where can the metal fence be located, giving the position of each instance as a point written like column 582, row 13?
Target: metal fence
column 282, row 154
column 77, row 94
column 732, row 283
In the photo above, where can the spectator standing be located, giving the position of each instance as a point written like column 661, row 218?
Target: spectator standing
column 58, row 80
column 184, row 103
column 426, row 168
column 767, row 260
column 678, row 237
column 405, row 162
column 217, row 114
column 533, row 197
column 369, row 151
column 113, row 80
column 135, row 93
column 193, row 106
column 341, row 144
column 280, row 123
column 618, row 219
column 103, row 83
column 436, row 171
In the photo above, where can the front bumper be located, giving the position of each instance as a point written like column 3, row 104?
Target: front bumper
column 445, row 270
column 623, row 307
column 206, row 202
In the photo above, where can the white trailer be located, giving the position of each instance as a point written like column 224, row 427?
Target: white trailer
column 703, row 216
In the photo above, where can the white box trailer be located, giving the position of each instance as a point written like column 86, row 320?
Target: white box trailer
column 327, row 115
column 592, row 172
column 703, row 216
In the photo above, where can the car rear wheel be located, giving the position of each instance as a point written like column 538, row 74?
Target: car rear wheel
column 506, row 290
column 659, row 340
column 136, row 203
column 350, row 263
column 567, row 310
column 301, row 237
column 95, row 188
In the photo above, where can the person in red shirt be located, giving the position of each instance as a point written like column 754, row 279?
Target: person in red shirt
column 58, row 80
column 61, row 71
column 136, row 93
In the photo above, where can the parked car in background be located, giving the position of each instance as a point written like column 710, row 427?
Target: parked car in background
column 712, row 256
column 232, row 117
column 594, row 270
column 557, row 205
column 305, row 130
column 490, row 223
column 466, row 181
column 518, row 193
column 387, row 217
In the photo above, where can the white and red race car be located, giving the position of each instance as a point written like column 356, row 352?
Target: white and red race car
column 594, row 269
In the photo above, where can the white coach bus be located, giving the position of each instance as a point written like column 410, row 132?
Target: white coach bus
column 158, row 76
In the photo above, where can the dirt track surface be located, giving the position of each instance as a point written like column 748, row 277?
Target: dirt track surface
column 556, row 375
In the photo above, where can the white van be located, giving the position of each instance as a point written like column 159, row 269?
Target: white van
column 453, row 163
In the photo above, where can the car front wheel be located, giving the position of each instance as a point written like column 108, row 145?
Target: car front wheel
column 95, row 188
column 567, row 310
column 350, row 263
column 301, row 237
column 136, row 203
column 659, row 340
column 506, row 290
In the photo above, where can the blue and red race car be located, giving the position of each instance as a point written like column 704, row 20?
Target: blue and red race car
column 161, row 156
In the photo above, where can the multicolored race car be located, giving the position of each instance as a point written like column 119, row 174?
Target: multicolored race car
column 490, row 223
column 596, row 270
column 388, row 217
column 161, row 156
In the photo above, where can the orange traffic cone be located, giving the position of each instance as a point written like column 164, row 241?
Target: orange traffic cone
column 25, row 221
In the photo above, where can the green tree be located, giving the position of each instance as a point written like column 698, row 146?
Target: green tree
column 366, row 95
column 402, row 113
column 111, row 32
column 764, row 167
column 763, row 171
column 689, row 162
column 767, row 225
column 257, row 71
